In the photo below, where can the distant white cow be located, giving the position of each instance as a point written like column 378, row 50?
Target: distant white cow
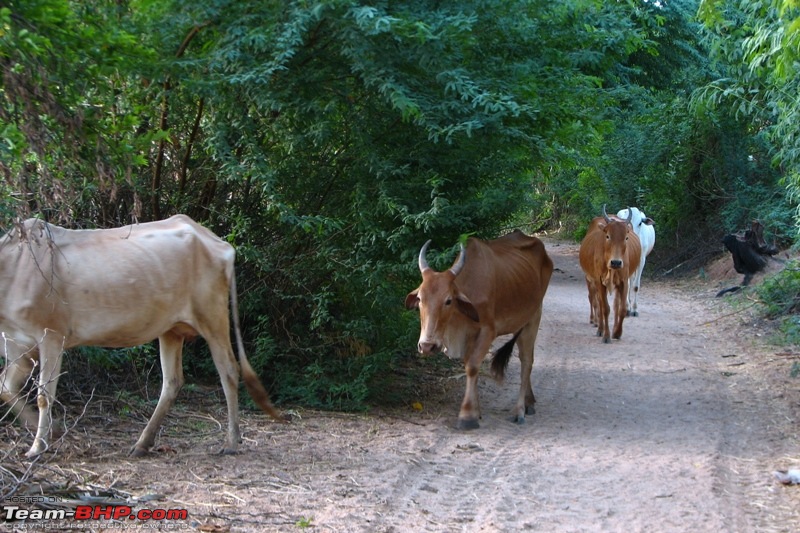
column 643, row 226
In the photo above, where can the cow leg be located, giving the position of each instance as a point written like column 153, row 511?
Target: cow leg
column 629, row 302
column 526, row 343
column 620, row 304
column 51, row 349
column 18, row 370
column 633, row 290
column 170, row 348
column 592, row 301
column 228, row 370
column 604, row 310
column 597, row 312
column 470, row 408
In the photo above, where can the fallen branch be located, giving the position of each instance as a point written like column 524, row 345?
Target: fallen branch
column 728, row 314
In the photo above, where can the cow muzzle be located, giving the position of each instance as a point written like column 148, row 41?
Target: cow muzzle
column 427, row 348
column 615, row 264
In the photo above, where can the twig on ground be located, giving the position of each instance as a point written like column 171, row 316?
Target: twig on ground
column 728, row 314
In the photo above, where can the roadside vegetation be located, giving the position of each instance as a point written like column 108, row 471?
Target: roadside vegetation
column 328, row 139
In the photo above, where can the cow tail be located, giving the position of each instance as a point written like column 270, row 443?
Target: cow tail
column 501, row 358
column 251, row 381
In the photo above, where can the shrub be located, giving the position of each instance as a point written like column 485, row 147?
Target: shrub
column 780, row 294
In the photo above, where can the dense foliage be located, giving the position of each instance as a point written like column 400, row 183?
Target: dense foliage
column 754, row 46
column 327, row 139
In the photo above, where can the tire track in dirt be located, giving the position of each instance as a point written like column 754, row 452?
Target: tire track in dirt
column 633, row 426
column 629, row 436
column 448, row 483
column 619, row 428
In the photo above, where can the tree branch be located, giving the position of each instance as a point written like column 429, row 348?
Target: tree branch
column 163, row 125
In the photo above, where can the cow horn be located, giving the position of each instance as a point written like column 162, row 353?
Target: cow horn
column 423, row 263
column 630, row 215
column 605, row 215
column 459, row 264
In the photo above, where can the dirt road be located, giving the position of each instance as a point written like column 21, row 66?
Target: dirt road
column 673, row 428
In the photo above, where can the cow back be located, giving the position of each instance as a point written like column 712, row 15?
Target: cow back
column 590, row 253
column 117, row 287
column 643, row 226
column 647, row 238
column 506, row 277
column 633, row 252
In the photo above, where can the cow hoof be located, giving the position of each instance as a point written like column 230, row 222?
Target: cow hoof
column 635, row 313
column 518, row 419
column 606, row 340
column 228, row 451
column 468, row 423
column 529, row 410
column 33, row 453
column 137, row 452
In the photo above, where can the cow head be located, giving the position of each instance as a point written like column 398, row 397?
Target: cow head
column 637, row 217
column 440, row 302
column 616, row 239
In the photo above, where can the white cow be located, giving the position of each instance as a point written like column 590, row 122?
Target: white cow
column 643, row 226
column 170, row 280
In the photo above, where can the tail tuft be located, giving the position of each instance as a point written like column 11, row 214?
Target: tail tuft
column 259, row 393
column 251, row 381
column 501, row 358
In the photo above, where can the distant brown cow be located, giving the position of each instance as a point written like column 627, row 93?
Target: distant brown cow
column 116, row 288
column 494, row 288
column 609, row 253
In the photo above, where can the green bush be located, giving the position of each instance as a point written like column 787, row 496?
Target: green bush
column 779, row 298
column 328, row 140
column 780, row 294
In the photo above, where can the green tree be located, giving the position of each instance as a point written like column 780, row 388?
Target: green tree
column 328, row 139
column 68, row 141
column 754, row 48
column 643, row 154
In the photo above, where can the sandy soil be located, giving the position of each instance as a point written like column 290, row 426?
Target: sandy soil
column 676, row 427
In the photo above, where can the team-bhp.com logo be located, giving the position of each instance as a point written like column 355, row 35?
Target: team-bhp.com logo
column 112, row 516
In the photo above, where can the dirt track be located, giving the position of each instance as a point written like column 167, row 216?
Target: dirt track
column 673, row 428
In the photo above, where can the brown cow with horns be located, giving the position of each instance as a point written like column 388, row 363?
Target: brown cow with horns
column 494, row 288
column 120, row 287
column 609, row 253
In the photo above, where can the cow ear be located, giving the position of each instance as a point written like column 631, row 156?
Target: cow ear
column 649, row 221
column 412, row 300
column 466, row 307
